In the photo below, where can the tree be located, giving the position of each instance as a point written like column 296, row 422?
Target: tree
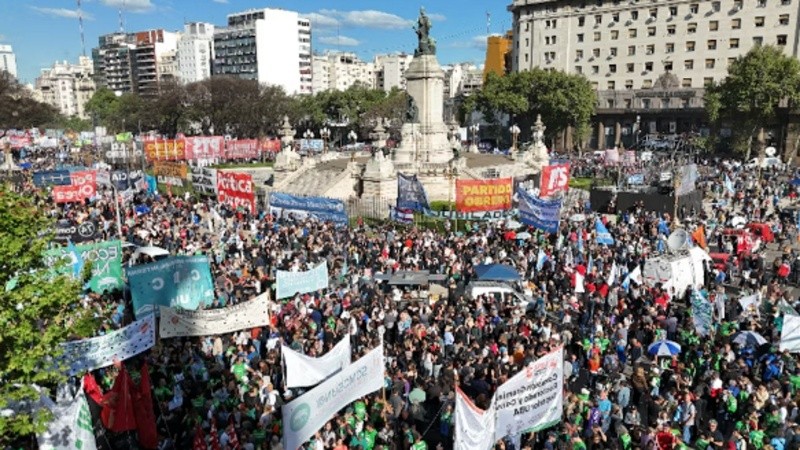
column 18, row 109
column 40, row 312
column 103, row 105
column 750, row 96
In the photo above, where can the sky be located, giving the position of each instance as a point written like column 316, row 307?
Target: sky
column 42, row 32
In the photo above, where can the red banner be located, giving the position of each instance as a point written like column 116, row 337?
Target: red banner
column 483, row 195
column 242, row 149
column 270, row 145
column 165, row 149
column 555, row 178
column 67, row 194
column 205, row 147
column 236, row 189
column 83, row 185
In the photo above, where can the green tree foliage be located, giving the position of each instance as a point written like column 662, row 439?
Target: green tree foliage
column 750, row 96
column 18, row 109
column 39, row 313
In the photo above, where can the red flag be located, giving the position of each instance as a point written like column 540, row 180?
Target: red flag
column 213, row 437
column 117, row 414
column 199, row 442
column 143, row 408
column 233, row 440
column 92, row 389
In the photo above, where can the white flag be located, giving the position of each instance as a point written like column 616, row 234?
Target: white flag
column 474, row 428
column 579, row 288
column 308, row 413
column 303, row 370
column 612, row 276
column 71, row 427
column 790, row 334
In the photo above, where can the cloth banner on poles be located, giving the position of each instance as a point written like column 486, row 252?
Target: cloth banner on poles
column 603, row 236
column 533, row 399
column 701, row 313
column 303, row 370
column 102, row 351
column 106, row 260
column 205, row 148
column 555, row 179
column 483, row 195
column 688, row 176
column 411, row 193
column 242, row 149
column 208, row 322
column 183, row 281
column 790, row 334
column 236, row 189
column 307, row 414
column 290, row 283
column 319, row 208
column 474, row 428
column 71, row 427
column 542, row 214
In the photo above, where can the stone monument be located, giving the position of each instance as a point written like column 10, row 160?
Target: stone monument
column 424, row 135
column 537, row 155
column 287, row 159
column 8, row 163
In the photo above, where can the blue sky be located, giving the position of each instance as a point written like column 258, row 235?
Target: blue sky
column 44, row 31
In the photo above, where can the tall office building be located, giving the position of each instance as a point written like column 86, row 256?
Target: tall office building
column 195, row 52
column 390, row 71
column 648, row 60
column 498, row 52
column 67, row 86
column 339, row 71
column 136, row 62
column 272, row 46
column 8, row 60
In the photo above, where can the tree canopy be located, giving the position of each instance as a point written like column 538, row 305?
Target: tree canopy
column 18, row 108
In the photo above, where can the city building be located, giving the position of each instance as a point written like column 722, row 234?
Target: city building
column 339, row 71
column 272, row 46
column 67, row 86
column 648, row 60
column 390, row 71
column 462, row 79
column 113, row 63
column 8, row 60
column 136, row 62
column 195, row 52
column 498, row 54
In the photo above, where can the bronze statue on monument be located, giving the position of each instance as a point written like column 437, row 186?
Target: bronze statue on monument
column 426, row 45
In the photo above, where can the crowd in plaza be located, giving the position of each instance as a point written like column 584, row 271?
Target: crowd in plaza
column 713, row 392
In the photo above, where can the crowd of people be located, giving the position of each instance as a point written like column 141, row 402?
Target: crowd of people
column 226, row 391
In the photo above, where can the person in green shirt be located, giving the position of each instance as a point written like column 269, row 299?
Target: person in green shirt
column 240, row 369
column 419, row 444
column 360, row 410
column 368, row 437
column 445, row 421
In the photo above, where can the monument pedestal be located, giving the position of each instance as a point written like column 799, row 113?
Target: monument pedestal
column 379, row 178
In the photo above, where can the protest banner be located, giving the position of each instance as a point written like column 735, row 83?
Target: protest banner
column 236, row 189
column 183, row 281
column 204, row 148
column 270, row 145
column 51, row 177
column 67, row 230
column 71, row 427
column 307, row 414
column 474, row 428
column 701, row 313
column 483, row 195
column 790, row 334
column 411, row 193
column 555, row 179
column 170, row 173
column 242, row 149
column 303, row 370
column 94, row 353
column 164, row 150
column 544, row 215
column 531, row 400
column 106, row 261
column 319, row 208
column 290, row 283
column 207, row 322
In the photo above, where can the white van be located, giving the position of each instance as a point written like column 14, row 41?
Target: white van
column 497, row 290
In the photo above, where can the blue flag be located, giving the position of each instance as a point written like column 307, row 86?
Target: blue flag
column 580, row 240
column 729, row 184
column 603, row 236
column 77, row 259
column 590, row 264
column 541, row 258
column 411, row 193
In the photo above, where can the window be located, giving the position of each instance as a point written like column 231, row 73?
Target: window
column 581, row 21
column 710, row 63
column 595, row 70
column 651, row 31
column 596, row 36
column 627, row 100
column 736, row 24
column 760, row 21
column 737, row 5
column 614, row 35
column 691, row 28
column 634, row 15
column 667, row 66
column 632, row 33
column 654, row 13
column 783, row 19
column 630, row 67
column 610, row 102
column 758, row 40
column 664, row 103
column 612, row 68
column 645, row 101
column 708, row 81
column 730, row 61
column 631, row 50
column 670, row 47
column 611, row 85
column 612, row 51
column 762, row 3
column 786, row 2
column 671, row 29
column 715, row 6
column 688, row 64
column 598, row 19
column 781, row 39
column 578, row 54
column 580, row 37
column 647, row 84
column 648, row 66
column 713, row 25
column 712, row 44
column 694, row 8
column 673, row 11
column 615, row 17
column 650, row 49
column 578, row 69
column 594, row 85
column 628, row 84
column 689, row 46
column 734, row 43
column 596, row 52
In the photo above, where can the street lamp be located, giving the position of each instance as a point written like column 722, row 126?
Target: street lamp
column 474, row 128
column 308, row 134
column 325, row 134
column 452, row 176
column 352, row 136
column 514, row 130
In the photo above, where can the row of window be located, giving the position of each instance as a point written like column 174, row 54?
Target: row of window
column 694, row 8
column 646, row 103
column 669, row 47
column 710, row 63
column 686, row 83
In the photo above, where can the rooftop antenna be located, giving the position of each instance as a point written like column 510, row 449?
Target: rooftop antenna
column 488, row 22
column 80, row 27
column 121, row 23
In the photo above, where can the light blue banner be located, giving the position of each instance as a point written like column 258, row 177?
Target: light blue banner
column 542, row 214
column 320, row 208
column 178, row 282
column 314, row 145
column 287, row 284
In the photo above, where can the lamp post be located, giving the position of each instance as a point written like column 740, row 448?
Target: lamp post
column 308, row 135
column 474, row 128
column 325, row 134
column 452, row 176
column 514, row 130
column 352, row 136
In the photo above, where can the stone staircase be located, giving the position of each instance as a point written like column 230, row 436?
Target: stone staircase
column 310, row 182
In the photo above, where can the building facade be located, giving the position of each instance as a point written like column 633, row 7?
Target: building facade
column 339, row 71
column 67, row 86
column 272, row 46
column 8, row 60
column 648, row 60
column 195, row 52
column 136, row 62
column 498, row 52
column 390, row 71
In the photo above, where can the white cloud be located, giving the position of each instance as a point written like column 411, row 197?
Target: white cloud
column 220, row 1
column 130, row 5
column 437, row 17
column 477, row 42
column 370, row 18
column 343, row 41
column 61, row 12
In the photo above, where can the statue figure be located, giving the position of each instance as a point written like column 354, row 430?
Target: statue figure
column 538, row 131
column 412, row 112
column 426, row 45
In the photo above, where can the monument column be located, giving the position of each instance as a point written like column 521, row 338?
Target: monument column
column 617, row 134
column 601, row 136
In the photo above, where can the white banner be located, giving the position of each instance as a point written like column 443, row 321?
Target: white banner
column 208, row 322
column 750, row 300
column 71, row 427
column 474, row 428
column 290, row 283
column 102, row 351
column 308, row 413
column 303, row 370
column 790, row 333
column 533, row 399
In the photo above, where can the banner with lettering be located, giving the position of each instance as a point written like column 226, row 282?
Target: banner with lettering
column 533, row 399
column 67, row 230
column 52, row 178
column 320, row 208
column 270, row 145
column 555, row 179
column 542, row 214
column 208, row 322
column 83, row 185
column 182, row 281
column 170, row 173
column 483, row 195
column 242, row 149
column 106, row 261
column 165, row 149
column 303, row 370
column 204, row 147
column 71, row 427
column 287, row 284
column 236, row 189
column 474, row 428
column 94, row 353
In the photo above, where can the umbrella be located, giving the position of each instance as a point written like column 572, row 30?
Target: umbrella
column 577, row 218
column 513, row 225
column 524, row 236
column 417, row 396
column 664, row 348
column 749, row 338
column 738, row 222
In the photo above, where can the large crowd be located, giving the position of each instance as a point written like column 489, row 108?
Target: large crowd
column 713, row 394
